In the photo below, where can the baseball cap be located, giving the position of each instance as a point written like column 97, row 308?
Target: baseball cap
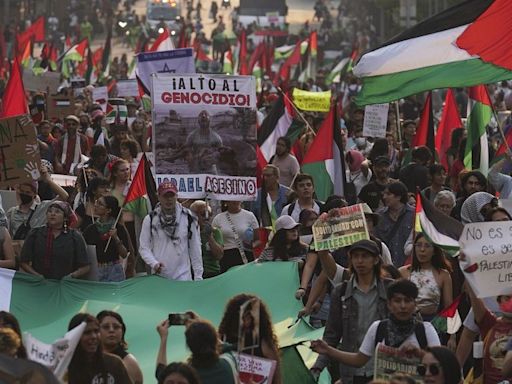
column 167, row 186
column 286, row 222
column 367, row 245
column 381, row 160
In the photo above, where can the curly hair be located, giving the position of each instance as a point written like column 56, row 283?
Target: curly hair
column 7, row 319
column 229, row 325
column 438, row 260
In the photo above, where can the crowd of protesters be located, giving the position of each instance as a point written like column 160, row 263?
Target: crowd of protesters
column 384, row 289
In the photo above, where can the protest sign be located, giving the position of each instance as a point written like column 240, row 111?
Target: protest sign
column 100, row 96
column 488, row 257
column 253, row 369
column 391, row 361
column 45, row 82
column 55, row 356
column 19, row 151
column 312, row 101
column 60, row 106
column 342, row 227
column 375, row 120
column 175, row 61
column 127, row 88
column 204, row 134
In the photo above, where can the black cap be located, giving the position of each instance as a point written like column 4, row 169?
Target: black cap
column 381, row 160
column 367, row 245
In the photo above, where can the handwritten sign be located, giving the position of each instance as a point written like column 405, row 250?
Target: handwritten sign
column 391, row 361
column 488, row 257
column 254, row 369
column 342, row 227
column 100, row 96
column 312, row 101
column 45, row 82
column 19, row 152
column 375, row 120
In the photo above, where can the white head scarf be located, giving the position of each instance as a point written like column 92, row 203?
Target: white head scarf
column 470, row 211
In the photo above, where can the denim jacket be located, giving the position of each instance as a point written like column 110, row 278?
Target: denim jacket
column 342, row 323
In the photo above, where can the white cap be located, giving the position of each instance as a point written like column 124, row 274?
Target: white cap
column 286, row 222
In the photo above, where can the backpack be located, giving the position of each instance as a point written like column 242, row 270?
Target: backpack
column 292, row 206
column 419, row 332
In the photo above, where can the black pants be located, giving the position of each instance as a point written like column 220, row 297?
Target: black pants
column 362, row 379
column 232, row 258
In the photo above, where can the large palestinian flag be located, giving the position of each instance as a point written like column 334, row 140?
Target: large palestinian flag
column 465, row 45
column 44, row 308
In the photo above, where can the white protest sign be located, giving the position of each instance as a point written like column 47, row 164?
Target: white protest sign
column 127, row 88
column 488, row 257
column 47, row 81
column 375, row 120
column 55, row 356
column 100, row 96
column 254, row 369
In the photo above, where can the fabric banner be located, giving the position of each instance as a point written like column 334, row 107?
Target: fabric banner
column 312, row 101
column 48, row 82
column 342, row 227
column 390, row 361
column 375, row 120
column 488, row 257
column 127, row 88
column 204, row 134
column 19, row 151
column 175, row 61
column 55, row 356
column 44, row 308
column 253, row 369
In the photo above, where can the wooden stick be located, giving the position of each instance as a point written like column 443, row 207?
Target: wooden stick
column 398, row 128
column 298, row 112
column 117, row 220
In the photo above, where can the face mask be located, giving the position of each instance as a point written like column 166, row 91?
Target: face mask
column 25, row 199
column 360, row 141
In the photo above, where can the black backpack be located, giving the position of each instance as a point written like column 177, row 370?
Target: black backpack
column 419, row 331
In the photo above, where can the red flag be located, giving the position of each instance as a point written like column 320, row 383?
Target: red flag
column 14, row 102
column 142, row 183
column 35, row 33
column 450, row 120
column 294, row 59
column 255, row 56
column 242, row 54
column 425, row 131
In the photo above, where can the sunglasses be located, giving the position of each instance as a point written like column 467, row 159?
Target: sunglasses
column 434, row 369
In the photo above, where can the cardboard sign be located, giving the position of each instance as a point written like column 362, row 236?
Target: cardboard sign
column 100, row 96
column 60, row 106
column 375, row 120
column 312, row 101
column 46, row 82
column 127, row 88
column 204, row 135
column 391, row 361
column 488, row 257
column 253, row 369
column 342, row 227
column 55, row 356
column 19, row 151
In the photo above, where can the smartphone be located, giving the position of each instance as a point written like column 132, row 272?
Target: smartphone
column 178, row 318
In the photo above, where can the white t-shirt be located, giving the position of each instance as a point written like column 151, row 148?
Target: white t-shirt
column 368, row 345
column 242, row 221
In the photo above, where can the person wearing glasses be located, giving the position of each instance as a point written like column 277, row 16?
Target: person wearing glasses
column 401, row 330
column 112, row 333
column 70, row 147
column 439, row 366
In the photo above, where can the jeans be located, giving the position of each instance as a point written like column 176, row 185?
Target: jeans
column 111, row 272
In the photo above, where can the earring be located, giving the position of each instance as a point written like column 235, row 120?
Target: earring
column 65, row 226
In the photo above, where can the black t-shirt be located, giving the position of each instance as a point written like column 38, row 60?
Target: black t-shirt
column 93, row 237
column 92, row 373
column 371, row 194
column 414, row 175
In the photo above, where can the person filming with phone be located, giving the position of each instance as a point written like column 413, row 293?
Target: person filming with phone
column 212, row 366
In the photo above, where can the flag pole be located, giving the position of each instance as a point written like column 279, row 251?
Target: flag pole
column 502, row 133
column 297, row 110
column 398, row 130
column 115, row 223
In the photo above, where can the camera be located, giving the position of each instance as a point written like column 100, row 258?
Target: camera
column 178, row 318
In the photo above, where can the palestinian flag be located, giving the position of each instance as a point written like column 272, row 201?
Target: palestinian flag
column 242, row 54
column 294, row 59
column 76, row 54
column 310, row 71
column 425, row 131
column 450, row 119
column 448, row 320
column 476, row 155
column 440, row 229
column 324, row 159
column 141, row 188
column 25, row 55
column 466, row 45
column 45, row 307
column 341, row 69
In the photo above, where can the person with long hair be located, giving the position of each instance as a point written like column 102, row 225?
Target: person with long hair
column 439, row 366
column 431, row 273
column 105, row 231
column 129, row 150
column 229, row 329
column 97, row 187
column 8, row 320
column 90, row 364
column 112, row 332
column 178, row 373
column 285, row 244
